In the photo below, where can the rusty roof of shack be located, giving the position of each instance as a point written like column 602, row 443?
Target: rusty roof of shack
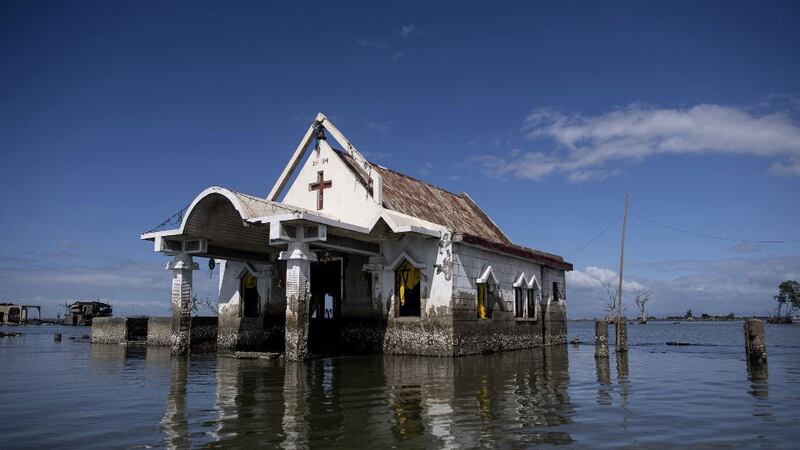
column 416, row 198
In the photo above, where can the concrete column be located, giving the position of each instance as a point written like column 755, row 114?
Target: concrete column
column 601, row 339
column 622, row 335
column 755, row 343
column 298, row 294
column 181, row 267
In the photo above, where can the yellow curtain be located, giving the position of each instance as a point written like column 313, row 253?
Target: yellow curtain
column 481, row 301
column 408, row 279
column 249, row 281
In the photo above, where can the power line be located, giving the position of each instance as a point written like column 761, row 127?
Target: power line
column 711, row 236
column 595, row 238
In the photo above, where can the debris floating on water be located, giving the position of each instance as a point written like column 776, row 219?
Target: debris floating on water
column 257, row 355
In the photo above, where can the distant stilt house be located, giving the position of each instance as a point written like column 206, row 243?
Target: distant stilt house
column 355, row 257
column 18, row 314
column 82, row 313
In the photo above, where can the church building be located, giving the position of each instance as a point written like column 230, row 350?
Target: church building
column 346, row 256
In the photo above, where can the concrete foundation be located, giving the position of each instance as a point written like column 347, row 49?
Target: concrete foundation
column 601, row 339
column 754, row 341
column 109, row 330
column 155, row 331
column 119, row 330
column 159, row 330
column 622, row 335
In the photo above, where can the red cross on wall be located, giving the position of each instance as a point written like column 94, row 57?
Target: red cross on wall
column 320, row 187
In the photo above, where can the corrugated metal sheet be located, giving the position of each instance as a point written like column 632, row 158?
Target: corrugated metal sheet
column 425, row 201
column 416, row 198
column 541, row 257
column 413, row 197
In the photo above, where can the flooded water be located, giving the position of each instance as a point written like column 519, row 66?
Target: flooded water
column 74, row 394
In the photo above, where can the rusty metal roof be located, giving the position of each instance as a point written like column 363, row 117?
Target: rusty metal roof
column 419, row 199
column 416, row 198
column 541, row 257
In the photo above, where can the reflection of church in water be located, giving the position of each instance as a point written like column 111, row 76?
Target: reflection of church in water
column 346, row 256
column 502, row 400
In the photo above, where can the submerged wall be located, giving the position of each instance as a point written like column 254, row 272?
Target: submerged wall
column 432, row 332
column 119, row 330
column 503, row 331
column 265, row 331
column 151, row 331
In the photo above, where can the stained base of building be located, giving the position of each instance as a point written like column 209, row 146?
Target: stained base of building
column 344, row 337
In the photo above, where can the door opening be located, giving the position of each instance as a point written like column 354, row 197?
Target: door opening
column 325, row 306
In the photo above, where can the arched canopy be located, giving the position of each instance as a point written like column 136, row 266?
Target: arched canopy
column 487, row 276
column 521, row 281
column 224, row 219
column 400, row 258
column 534, row 283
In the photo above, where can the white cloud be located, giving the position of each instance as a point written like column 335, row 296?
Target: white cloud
column 593, row 278
column 410, row 30
column 51, row 278
column 426, row 168
column 588, row 147
column 744, row 286
column 373, row 44
column 382, row 127
column 747, row 247
column 396, row 56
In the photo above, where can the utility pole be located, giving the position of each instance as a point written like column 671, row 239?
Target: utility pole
column 622, row 332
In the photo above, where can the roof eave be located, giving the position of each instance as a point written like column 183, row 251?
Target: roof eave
column 513, row 250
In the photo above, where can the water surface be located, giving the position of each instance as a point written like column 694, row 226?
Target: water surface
column 74, row 394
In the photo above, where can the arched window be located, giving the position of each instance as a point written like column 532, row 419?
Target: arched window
column 520, row 296
column 249, row 295
column 534, row 292
column 482, row 310
column 519, row 302
column 487, row 294
column 407, row 289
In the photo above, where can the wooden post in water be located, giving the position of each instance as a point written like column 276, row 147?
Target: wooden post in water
column 755, row 343
column 601, row 338
column 57, row 337
column 621, row 328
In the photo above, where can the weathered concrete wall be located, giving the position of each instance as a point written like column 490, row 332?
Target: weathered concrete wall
column 109, row 330
column 555, row 323
column 203, row 333
column 159, row 330
column 502, row 331
column 555, row 311
column 432, row 332
column 347, row 199
column 251, row 333
column 470, row 263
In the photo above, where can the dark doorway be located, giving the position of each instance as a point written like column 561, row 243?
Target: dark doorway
column 325, row 306
column 250, row 297
column 74, row 321
column 407, row 289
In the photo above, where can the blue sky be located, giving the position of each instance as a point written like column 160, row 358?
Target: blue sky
column 114, row 115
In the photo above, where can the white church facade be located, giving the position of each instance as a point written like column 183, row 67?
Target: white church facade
column 346, row 256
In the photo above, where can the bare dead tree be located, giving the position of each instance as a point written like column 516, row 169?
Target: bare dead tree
column 641, row 298
column 204, row 304
column 609, row 297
